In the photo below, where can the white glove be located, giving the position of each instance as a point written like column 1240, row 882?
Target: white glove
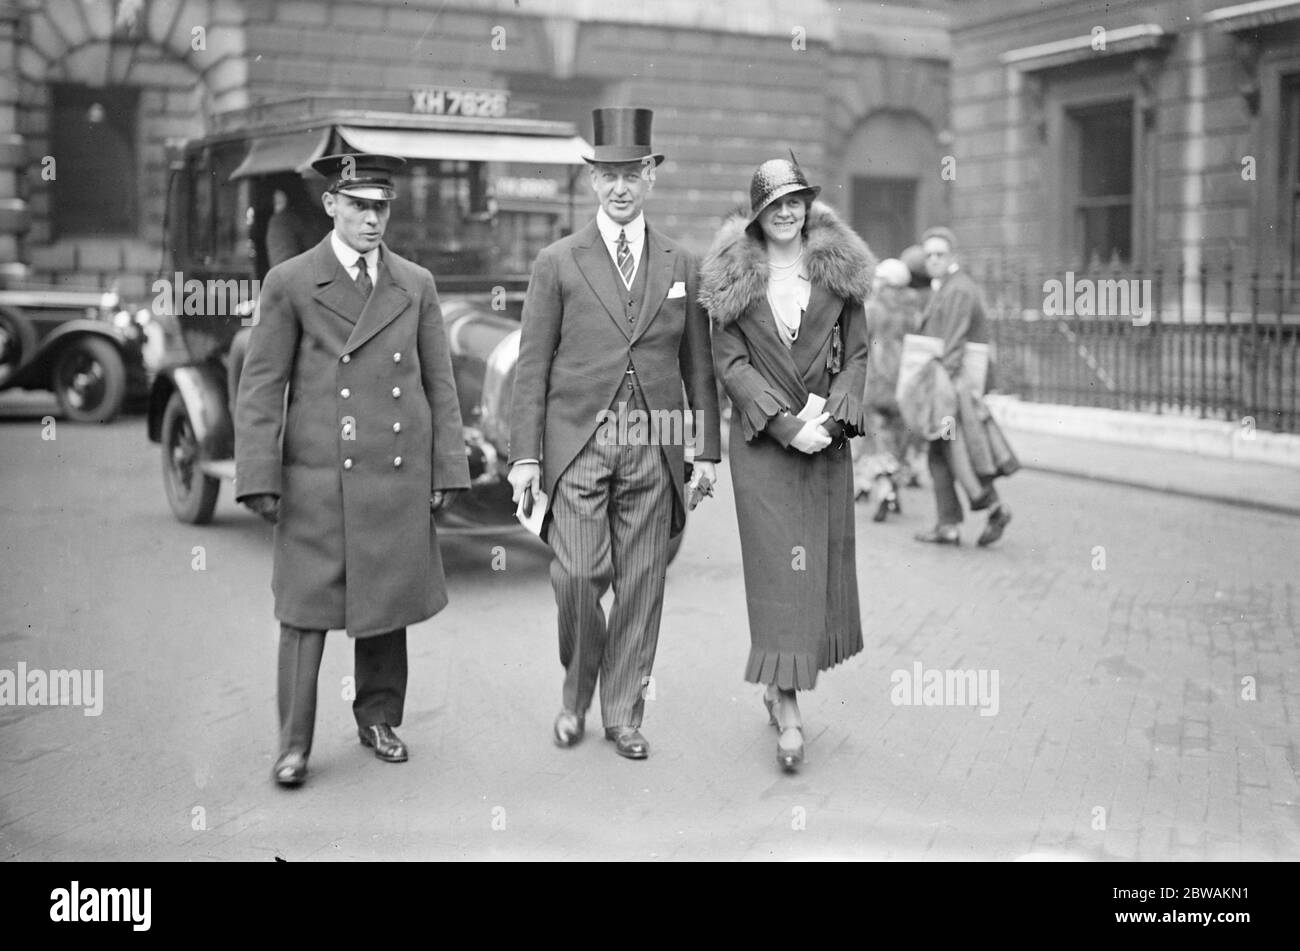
column 812, row 438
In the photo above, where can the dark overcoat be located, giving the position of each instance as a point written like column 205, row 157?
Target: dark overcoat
column 575, row 349
column 369, row 428
column 795, row 510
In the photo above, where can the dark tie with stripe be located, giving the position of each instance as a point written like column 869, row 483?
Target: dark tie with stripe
column 624, row 253
column 363, row 278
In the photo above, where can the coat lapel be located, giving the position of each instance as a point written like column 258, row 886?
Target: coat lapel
column 594, row 262
column 818, row 322
column 660, row 262
column 759, row 324
column 387, row 301
column 334, row 288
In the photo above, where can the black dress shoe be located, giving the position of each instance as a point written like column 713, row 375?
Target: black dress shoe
column 381, row 738
column 881, row 511
column 569, row 728
column 628, row 741
column 940, row 535
column 290, row 769
column 998, row 521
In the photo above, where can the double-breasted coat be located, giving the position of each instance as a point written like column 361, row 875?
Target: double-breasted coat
column 369, row 428
column 795, row 510
column 575, row 351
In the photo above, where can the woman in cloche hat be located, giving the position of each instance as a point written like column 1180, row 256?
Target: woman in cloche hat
column 785, row 287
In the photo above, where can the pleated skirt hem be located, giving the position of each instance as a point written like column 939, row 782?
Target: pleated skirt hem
column 797, row 670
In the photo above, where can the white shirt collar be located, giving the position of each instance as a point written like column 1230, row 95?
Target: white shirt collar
column 348, row 257
column 609, row 229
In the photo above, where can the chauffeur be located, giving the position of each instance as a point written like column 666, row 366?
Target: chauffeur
column 372, row 445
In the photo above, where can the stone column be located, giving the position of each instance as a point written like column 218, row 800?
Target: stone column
column 13, row 159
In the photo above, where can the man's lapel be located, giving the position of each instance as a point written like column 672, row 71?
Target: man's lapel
column 388, row 299
column 593, row 260
column 660, row 262
column 334, row 288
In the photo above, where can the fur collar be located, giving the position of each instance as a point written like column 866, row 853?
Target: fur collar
column 733, row 276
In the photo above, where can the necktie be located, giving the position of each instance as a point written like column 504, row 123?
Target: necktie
column 624, row 253
column 363, row 278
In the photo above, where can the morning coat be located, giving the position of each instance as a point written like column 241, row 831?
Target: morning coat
column 575, row 348
column 370, row 428
column 795, row 510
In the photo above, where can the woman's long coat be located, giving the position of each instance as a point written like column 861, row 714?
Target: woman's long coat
column 370, row 427
column 795, row 510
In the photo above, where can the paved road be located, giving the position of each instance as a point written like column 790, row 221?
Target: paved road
column 1122, row 729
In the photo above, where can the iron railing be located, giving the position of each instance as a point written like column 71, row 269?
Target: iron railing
column 1176, row 341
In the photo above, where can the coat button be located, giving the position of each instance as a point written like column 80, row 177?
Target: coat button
column 397, row 358
column 347, row 430
column 345, row 392
column 397, row 462
column 397, row 427
column 397, row 391
column 347, row 358
column 347, row 463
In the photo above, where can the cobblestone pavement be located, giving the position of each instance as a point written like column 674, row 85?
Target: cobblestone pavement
column 1145, row 647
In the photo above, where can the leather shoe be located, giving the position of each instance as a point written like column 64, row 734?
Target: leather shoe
column 381, row 738
column 290, row 769
column 628, row 741
column 998, row 520
column 940, row 535
column 569, row 728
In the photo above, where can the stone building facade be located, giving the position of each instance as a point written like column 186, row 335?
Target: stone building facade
column 92, row 91
column 1136, row 134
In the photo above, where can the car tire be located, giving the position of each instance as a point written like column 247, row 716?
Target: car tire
column 191, row 494
column 89, row 379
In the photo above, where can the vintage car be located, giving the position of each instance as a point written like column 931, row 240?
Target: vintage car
column 480, row 195
column 83, row 345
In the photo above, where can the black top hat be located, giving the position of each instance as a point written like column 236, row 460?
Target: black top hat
column 622, row 134
column 361, row 175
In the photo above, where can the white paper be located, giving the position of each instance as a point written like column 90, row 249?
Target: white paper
column 813, row 408
column 677, row 290
column 533, row 522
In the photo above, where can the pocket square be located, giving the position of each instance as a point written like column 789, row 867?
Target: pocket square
column 677, row 290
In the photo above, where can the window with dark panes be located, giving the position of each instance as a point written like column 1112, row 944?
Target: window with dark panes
column 93, row 134
column 1103, row 212
column 1290, row 152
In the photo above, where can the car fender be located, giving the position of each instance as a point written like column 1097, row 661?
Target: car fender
column 36, row 369
column 202, row 388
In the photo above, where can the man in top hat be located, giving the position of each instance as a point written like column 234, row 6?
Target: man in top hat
column 351, row 465
column 612, row 329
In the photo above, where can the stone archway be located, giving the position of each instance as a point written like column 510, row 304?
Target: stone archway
column 887, row 121
column 184, row 60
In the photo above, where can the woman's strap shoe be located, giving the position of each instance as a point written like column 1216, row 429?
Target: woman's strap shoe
column 790, row 757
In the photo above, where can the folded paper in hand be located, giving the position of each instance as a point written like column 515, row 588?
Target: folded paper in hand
column 813, row 408
column 532, row 520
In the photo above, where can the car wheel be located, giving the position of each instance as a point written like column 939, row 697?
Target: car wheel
column 191, row 494
column 89, row 380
